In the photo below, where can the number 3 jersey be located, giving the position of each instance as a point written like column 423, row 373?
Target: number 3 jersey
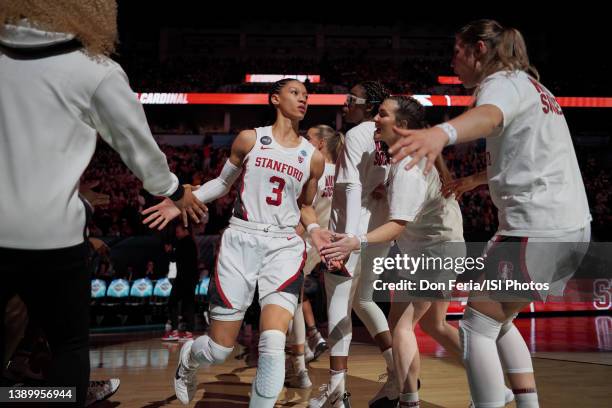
column 272, row 180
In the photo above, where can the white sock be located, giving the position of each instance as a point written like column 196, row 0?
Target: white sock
column 337, row 380
column 388, row 355
column 528, row 399
column 409, row 400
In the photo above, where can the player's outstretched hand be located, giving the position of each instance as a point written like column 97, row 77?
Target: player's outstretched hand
column 190, row 205
column 340, row 248
column 160, row 214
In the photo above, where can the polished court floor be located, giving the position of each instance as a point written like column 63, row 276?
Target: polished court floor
column 572, row 361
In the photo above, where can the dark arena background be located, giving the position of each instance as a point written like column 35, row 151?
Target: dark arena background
column 203, row 77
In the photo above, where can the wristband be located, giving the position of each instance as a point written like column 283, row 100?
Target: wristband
column 178, row 194
column 450, row 131
column 312, row 226
column 363, row 241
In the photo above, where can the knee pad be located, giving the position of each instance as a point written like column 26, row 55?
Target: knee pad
column 371, row 315
column 477, row 324
column 340, row 337
column 271, row 365
column 513, row 352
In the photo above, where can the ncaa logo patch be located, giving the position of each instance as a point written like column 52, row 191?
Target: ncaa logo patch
column 265, row 140
column 302, row 155
column 505, row 270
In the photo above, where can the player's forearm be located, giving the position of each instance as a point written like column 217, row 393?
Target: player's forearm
column 477, row 123
column 387, row 232
column 219, row 186
column 300, row 230
column 308, row 216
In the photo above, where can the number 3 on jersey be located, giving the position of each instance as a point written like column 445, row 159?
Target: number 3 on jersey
column 278, row 190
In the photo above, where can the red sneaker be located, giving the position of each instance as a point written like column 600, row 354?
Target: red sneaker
column 173, row 335
column 185, row 336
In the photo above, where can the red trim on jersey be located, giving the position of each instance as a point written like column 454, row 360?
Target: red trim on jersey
column 224, row 298
column 345, row 272
column 524, row 269
column 244, row 211
column 295, row 276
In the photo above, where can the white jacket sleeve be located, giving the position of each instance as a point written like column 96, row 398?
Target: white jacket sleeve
column 120, row 119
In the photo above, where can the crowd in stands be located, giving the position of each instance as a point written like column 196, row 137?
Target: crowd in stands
column 411, row 75
column 198, row 164
column 193, row 74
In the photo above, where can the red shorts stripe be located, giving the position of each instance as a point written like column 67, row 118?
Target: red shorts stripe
column 297, row 274
column 224, row 298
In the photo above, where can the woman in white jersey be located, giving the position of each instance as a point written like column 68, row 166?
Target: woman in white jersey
column 330, row 143
column 424, row 224
column 361, row 169
column 535, row 183
column 279, row 172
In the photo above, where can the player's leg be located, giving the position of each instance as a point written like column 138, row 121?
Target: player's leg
column 280, row 283
column 405, row 348
column 340, row 288
column 376, row 322
column 230, row 295
column 270, row 375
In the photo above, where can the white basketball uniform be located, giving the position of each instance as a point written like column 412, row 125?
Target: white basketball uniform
column 535, row 183
column 260, row 246
column 363, row 162
column 322, row 207
column 434, row 225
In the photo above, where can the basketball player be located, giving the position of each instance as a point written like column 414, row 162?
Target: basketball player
column 438, row 221
column 361, row 169
column 330, row 143
column 535, row 183
column 421, row 221
column 59, row 91
column 279, row 172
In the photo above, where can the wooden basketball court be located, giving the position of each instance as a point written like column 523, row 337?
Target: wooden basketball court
column 572, row 361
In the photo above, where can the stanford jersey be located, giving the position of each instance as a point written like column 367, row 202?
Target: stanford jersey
column 272, row 180
column 532, row 169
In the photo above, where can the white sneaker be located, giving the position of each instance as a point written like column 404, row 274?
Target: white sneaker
column 388, row 395
column 101, row 390
column 337, row 398
column 508, row 398
column 317, row 344
column 185, row 381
